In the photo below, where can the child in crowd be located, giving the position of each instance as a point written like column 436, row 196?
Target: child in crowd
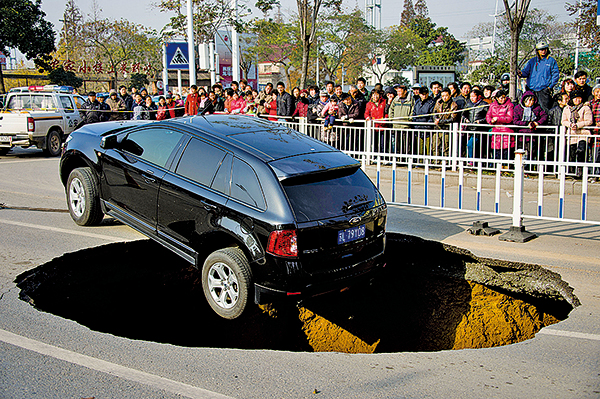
column 330, row 112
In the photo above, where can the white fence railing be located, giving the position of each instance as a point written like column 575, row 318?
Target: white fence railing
column 428, row 157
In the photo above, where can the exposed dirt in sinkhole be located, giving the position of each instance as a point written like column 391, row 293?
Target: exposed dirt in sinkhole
column 429, row 297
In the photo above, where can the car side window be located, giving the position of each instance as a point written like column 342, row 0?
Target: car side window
column 67, row 104
column 200, row 162
column 245, row 186
column 152, row 145
column 222, row 180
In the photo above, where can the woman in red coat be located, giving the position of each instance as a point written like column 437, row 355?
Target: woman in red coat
column 376, row 110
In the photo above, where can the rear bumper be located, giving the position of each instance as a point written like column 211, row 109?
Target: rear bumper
column 366, row 269
column 11, row 140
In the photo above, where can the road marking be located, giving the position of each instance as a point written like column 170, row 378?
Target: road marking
column 155, row 381
column 28, row 160
column 569, row 334
column 65, row 231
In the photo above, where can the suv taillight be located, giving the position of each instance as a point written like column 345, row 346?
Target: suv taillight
column 283, row 243
column 30, row 124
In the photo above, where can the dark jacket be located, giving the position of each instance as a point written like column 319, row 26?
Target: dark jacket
column 285, row 104
column 91, row 111
column 128, row 100
column 211, row 107
column 149, row 112
column 476, row 114
column 555, row 116
column 349, row 112
column 423, row 108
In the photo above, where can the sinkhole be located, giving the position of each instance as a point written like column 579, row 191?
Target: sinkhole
column 429, row 297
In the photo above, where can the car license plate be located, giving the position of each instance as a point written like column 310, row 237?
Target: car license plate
column 6, row 139
column 351, row 234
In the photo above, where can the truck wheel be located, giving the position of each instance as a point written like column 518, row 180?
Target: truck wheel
column 226, row 282
column 83, row 197
column 4, row 150
column 53, row 144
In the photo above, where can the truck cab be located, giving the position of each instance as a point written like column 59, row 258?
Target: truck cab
column 41, row 116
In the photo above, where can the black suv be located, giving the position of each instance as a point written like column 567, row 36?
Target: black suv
column 260, row 208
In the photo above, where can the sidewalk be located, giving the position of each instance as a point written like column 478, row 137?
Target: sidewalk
column 488, row 180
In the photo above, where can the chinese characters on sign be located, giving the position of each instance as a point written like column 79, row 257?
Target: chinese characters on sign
column 99, row 68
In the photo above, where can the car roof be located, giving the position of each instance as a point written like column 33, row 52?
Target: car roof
column 287, row 151
column 266, row 140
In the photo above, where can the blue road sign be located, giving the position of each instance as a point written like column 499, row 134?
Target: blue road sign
column 177, row 56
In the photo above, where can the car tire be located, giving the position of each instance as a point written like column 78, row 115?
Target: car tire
column 53, row 144
column 226, row 282
column 83, row 198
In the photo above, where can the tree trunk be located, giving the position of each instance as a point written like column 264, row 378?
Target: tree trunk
column 305, row 60
column 514, row 61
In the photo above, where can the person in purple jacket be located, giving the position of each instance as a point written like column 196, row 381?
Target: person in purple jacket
column 529, row 114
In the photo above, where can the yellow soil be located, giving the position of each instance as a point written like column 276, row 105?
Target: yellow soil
column 325, row 336
column 496, row 319
column 483, row 318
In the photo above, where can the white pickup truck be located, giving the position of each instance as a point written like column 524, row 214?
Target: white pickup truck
column 41, row 116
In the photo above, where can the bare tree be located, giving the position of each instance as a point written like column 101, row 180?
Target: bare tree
column 515, row 16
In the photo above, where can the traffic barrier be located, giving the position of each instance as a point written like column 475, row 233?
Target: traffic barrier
column 546, row 158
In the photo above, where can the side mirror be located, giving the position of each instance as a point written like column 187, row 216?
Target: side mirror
column 109, row 142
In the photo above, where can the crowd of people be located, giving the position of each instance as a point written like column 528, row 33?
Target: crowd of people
column 420, row 115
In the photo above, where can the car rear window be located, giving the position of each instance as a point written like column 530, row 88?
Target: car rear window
column 329, row 194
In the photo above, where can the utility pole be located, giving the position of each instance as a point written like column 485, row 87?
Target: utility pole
column 235, row 45
column 577, row 43
column 191, row 50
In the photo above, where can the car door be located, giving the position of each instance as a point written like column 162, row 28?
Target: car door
column 133, row 173
column 194, row 194
column 72, row 118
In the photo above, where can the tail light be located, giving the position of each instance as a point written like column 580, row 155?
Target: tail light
column 30, row 124
column 283, row 243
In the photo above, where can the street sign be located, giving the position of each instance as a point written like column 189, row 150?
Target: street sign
column 177, row 56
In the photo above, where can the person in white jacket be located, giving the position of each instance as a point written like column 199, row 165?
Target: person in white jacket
column 576, row 116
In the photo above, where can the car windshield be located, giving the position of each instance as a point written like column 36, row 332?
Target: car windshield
column 330, row 194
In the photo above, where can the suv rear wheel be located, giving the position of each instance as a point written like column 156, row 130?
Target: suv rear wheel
column 226, row 282
column 83, row 198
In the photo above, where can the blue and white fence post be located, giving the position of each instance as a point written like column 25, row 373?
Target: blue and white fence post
column 517, row 232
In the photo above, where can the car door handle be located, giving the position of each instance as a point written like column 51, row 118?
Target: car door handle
column 149, row 179
column 208, row 207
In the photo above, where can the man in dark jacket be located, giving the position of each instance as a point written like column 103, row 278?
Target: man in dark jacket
column 212, row 105
column 422, row 112
column 349, row 111
column 285, row 102
column 475, row 114
column 91, row 109
column 581, row 80
column 128, row 100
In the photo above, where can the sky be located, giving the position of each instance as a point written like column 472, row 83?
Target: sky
column 458, row 15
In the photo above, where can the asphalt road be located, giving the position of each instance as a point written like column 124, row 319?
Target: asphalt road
column 46, row 356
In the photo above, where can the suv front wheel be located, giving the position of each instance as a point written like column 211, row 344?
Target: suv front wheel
column 83, row 198
column 226, row 282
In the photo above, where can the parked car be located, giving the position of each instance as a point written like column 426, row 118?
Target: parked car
column 42, row 116
column 262, row 210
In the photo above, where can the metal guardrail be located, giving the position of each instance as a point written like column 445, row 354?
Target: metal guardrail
column 548, row 154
